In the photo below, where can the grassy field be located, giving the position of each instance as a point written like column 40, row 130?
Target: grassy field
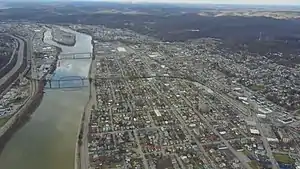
column 254, row 165
column 284, row 158
column 246, row 152
column 4, row 120
column 257, row 87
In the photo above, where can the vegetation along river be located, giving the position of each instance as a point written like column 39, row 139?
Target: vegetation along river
column 48, row 140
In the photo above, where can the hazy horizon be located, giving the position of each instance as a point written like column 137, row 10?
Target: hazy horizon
column 238, row 2
column 245, row 2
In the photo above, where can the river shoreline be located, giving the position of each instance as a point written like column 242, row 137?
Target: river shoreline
column 30, row 105
column 6, row 135
column 23, row 117
column 64, row 43
column 13, row 148
column 70, row 40
column 78, row 155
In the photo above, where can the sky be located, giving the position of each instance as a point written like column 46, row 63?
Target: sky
column 256, row 2
column 250, row 2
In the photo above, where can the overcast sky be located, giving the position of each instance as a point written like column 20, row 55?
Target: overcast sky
column 259, row 2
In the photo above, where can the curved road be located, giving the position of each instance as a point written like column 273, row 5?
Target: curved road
column 3, row 80
column 11, row 58
column 18, row 64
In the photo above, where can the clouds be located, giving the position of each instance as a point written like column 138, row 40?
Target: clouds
column 267, row 2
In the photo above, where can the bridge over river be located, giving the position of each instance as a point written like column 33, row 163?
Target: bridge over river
column 67, row 82
column 78, row 55
column 48, row 139
column 83, row 81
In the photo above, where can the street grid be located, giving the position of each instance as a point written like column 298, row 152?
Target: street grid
column 148, row 122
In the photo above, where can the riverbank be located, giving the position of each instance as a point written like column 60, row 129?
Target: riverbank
column 58, row 52
column 22, row 115
column 48, row 140
column 87, row 107
column 23, row 69
column 63, row 42
column 63, row 38
column 12, row 61
column 17, row 120
column 53, row 65
column 16, row 71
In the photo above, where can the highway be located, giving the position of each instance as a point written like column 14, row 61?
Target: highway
column 34, row 73
column 18, row 64
column 33, row 87
column 247, row 112
column 275, row 165
column 2, row 70
column 3, row 80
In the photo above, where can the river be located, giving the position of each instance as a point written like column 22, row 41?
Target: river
column 48, row 140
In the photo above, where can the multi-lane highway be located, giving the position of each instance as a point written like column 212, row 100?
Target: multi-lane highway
column 12, row 61
column 9, row 75
column 18, row 65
